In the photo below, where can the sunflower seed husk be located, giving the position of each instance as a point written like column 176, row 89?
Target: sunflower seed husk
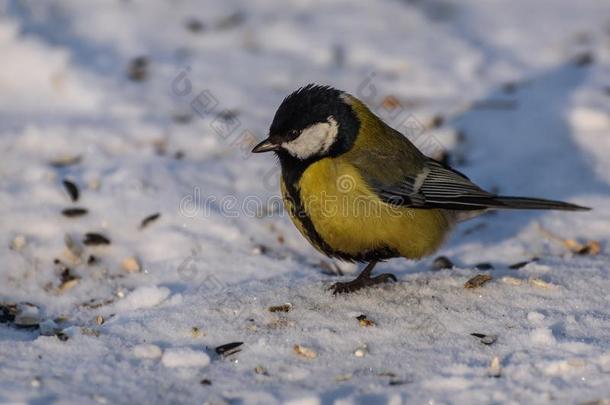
column 65, row 161
column 131, row 265
column 261, row 370
column 524, row 263
column 441, row 263
column 228, row 349
column 72, row 190
column 495, row 368
column 149, row 219
column 361, row 351
column 305, row 352
column 18, row 243
column 477, row 281
column 536, row 282
column 69, row 284
column 74, row 212
column 485, row 339
column 287, row 307
column 95, row 239
column 511, row 280
column 364, row 321
column 196, row 332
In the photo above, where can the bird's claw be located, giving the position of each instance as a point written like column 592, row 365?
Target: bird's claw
column 360, row 283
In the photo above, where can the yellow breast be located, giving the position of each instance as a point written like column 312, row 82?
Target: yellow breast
column 349, row 217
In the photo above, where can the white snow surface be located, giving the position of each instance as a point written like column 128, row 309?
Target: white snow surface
column 520, row 116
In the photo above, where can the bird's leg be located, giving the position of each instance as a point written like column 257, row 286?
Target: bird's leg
column 363, row 280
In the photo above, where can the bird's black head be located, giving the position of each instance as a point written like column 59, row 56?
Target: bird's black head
column 311, row 123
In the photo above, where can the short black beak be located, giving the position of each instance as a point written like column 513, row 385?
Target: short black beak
column 265, row 146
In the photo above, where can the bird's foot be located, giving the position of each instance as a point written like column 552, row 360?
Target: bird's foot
column 360, row 282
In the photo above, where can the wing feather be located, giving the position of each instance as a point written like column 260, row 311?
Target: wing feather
column 437, row 186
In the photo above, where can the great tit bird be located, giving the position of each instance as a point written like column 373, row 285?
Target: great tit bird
column 360, row 191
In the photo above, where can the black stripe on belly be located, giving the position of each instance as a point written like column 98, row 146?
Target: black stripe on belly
column 298, row 212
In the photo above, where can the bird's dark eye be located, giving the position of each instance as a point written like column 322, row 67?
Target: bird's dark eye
column 292, row 134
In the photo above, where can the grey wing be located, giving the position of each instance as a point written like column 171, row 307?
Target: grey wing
column 437, row 186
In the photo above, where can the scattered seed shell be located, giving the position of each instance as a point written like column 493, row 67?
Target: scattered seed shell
column 495, row 368
column 361, row 351
column 69, row 284
column 131, row 265
column 477, row 281
column 305, row 352
column 99, row 320
column 74, row 212
column 261, row 370
column 484, row 266
column 397, row 382
column 260, row 250
column 536, row 282
column 524, row 263
column 287, row 307
column 72, row 190
column 18, row 243
column 65, row 161
column 196, row 332
column 228, row 349
column 511, row 280
column 592, row 247
column 390, row 103
column 441, row 263
column 35, row 382
column 486, row 339
column 364, row 321
column 95, row 239
column 149, row 219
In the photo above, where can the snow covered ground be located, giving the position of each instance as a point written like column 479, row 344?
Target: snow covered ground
column 152, row 106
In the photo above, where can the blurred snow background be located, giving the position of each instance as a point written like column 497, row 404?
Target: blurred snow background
column 151, row 107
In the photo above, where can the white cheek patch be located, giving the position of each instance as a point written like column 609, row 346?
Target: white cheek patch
column 314, row 140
